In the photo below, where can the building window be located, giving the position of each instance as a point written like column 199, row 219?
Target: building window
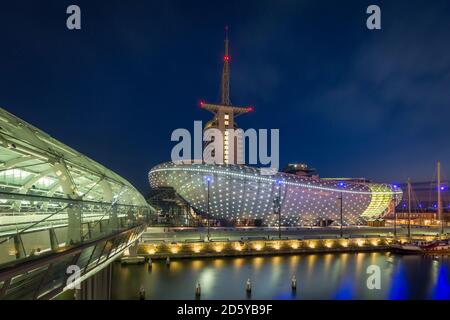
column 226, row 117
column 226, row 122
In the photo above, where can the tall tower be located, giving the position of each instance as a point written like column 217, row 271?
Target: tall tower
column 225, row 113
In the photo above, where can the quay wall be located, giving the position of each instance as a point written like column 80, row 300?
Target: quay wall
column 203, row 249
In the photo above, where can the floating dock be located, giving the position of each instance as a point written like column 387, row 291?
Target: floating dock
column 132, row 260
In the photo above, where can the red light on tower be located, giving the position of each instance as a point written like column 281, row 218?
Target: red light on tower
column 201, row 103
column 226, row 58
column 250, row 109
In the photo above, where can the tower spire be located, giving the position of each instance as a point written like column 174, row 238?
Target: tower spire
column 225, row 89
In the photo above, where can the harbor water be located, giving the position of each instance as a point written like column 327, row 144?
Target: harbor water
column 318, row 276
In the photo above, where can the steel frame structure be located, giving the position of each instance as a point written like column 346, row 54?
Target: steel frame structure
column 58, row 208
column 47, row 276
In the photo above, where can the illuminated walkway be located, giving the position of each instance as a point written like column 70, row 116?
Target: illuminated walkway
column 233, row 234
column 234, row 242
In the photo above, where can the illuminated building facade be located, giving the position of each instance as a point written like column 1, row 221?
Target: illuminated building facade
column 242, row 193
column 234, row 192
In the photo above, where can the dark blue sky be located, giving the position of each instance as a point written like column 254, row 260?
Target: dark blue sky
column 348, row 101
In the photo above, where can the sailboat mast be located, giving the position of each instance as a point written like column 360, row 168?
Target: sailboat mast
column 439, row 204
column 409, row 208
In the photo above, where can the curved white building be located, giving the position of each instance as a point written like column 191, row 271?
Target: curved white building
column 239, row 192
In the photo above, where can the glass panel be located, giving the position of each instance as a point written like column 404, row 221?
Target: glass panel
column 106, row 251
column 84, row 257
column 56, row 276
column 61, row 235
column 36, row 243
column 96, row 255
column 24, row 286
column 7, row 250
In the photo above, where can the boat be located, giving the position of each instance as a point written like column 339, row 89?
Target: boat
column 424, row 247
column 407, row 248
column 437, row 247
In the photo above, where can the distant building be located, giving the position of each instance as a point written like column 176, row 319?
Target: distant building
column 356, row 180
column 424, row 197
column 424, row 207
column 300, row 169
column 171, row 209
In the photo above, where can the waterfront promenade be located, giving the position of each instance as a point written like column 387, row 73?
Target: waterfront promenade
column 248, row 233
column 161, row 243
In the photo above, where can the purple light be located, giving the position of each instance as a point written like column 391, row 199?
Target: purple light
column 442, row 187
column 341, row 184
column 280, row 181
column 395, row 186
column 208, row 179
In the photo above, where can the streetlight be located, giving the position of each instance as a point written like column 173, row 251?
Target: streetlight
column 208, row 180
column 409, row 209
column 341, row 185
column 277, row 206
column 395, row 212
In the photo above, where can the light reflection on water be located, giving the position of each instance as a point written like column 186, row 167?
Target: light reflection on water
column 319, row 276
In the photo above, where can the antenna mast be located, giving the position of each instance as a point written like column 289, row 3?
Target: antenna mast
column 225, row 90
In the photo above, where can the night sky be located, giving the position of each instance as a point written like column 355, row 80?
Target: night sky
column 348, row 101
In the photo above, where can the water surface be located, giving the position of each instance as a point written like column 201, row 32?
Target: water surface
column 319, row 276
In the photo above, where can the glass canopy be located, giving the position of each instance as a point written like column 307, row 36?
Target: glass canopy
column 52, row 196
